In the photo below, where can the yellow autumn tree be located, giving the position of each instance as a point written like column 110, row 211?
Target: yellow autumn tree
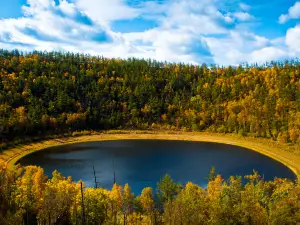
column 116, row 201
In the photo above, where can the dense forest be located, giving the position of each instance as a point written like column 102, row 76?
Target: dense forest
column 28, row 197
column 47, row 93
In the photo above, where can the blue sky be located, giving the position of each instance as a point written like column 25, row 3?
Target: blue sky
column 224, row 32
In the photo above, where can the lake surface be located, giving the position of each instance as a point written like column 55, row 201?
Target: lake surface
column 142, row 163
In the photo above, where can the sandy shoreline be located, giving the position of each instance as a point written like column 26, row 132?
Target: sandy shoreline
column 269, row 148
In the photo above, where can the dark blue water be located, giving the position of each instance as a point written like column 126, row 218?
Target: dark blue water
column 142, row 163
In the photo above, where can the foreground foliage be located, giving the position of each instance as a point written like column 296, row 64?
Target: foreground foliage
column 42, row 93
column 27, row 196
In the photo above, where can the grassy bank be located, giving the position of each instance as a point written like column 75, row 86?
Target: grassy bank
column 279, row 152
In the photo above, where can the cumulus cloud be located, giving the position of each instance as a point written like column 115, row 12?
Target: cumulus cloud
column 293, row 13
column 180, row 34
column 292, row 39
column 243, row 16
column 240, row 47
column 51, row 26
column 107, row 11
column 201, row 17
column 174, row 45
column 66, row 26
column 267, row 54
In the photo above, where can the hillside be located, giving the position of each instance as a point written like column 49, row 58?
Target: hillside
column 45, row 93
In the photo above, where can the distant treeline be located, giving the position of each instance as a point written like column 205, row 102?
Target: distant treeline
column 27, row 196
column 46, row 93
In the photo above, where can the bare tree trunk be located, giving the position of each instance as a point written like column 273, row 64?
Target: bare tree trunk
column 96, row 186
column 114, row 171
column 115, row 217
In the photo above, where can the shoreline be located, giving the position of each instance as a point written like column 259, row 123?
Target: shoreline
column 266, row 147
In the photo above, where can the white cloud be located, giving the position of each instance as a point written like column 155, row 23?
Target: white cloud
column 174, row 45
column 292, row 39
column 267, row 54
column 244, row 7
column 283, row 18
column 243, row 16
column 294, row 13
column 106, row 11
column 67, row 8
column 180, row 35
column 43, row 27
column 239, row 47
column 201, row 17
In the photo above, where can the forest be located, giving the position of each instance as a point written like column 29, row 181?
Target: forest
column 28, row 197
column 51, row 92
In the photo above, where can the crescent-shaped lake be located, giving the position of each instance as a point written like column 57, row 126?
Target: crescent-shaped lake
column 142, row 163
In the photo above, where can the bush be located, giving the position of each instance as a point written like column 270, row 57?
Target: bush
column 283, row 137
column 195, row 127
column 222, row 129
column 241, row 132
column 212, row 128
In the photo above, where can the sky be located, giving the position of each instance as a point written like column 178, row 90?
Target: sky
column 222, row 32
